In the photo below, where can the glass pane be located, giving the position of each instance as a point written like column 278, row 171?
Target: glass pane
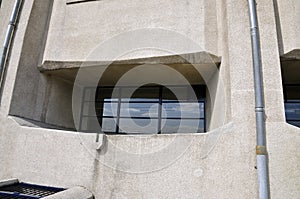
column 292, row 110
column 107, row 94
column 107, row 109
column 139, row 126
column 200, row 91
column 182, row 126
column 139, row 110
column 109, row 125
column 140, row 94
column 183, row 110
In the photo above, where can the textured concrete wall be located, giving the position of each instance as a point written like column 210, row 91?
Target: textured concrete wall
column 218, row 164
column 5, row 14
column 287, row 15
column 37, row 96
column 76, row 29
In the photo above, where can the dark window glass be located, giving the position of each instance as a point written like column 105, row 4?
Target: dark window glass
column 142, row 94
column 182, row 125
column 292, row 104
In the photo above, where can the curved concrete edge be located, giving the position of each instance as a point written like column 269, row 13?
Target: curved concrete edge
column 74, row 192
column 8, row 182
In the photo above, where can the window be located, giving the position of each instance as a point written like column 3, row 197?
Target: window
column 292, row 103
column 146, row 110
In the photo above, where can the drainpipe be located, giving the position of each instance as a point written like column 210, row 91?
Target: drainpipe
column 261, row 150
column 8, row 38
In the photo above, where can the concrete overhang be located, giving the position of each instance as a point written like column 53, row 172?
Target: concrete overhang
column 292, row 55
column 205, row 62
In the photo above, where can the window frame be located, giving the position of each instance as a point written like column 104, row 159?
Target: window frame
column 201, row 100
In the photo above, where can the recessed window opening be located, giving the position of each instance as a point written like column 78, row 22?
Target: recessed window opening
column 155, row 109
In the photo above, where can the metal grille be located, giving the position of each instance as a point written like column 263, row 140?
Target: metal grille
column 24, row 190
column 15, row 196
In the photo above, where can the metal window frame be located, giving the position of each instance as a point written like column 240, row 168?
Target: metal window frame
column 201, row 100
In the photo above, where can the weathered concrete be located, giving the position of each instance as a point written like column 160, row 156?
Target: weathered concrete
column 63, row 44
column 74, row 192
column 287, row 13
column 218, row 164
column 8, row 182
column 192, row 58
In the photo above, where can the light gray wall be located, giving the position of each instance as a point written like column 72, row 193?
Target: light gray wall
column 218, row 164
column 288, row 24
column 36, row 96
column 76, row 29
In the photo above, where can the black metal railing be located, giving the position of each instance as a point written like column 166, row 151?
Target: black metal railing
column 27, row 191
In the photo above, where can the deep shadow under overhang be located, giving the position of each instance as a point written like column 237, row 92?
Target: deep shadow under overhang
column 188, row 65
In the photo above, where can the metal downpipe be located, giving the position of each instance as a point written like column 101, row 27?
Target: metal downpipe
column 261, row 150
column 8, row 38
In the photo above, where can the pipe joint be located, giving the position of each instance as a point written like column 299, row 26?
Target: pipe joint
column 261, row 150
column 259, row 109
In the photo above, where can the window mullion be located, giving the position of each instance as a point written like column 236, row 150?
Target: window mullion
column 159, row 109
column 118, row 111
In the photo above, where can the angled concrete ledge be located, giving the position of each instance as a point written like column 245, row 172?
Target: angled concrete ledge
column 191, row 58
column 7, row 182
column 74, row 192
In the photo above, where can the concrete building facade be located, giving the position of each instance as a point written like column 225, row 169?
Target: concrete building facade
column 62, row 48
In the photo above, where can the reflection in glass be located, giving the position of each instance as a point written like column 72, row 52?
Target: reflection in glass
column 109, row 124
column 144, row 110
column 292, row 112
column 139, row 110
column 110, row 109
column 184, row 110
column 182, row 126
column 128, row 125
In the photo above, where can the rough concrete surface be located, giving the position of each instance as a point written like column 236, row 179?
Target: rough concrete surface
column 217, row 164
